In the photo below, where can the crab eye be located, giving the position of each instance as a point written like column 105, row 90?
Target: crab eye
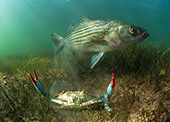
column 133, row 30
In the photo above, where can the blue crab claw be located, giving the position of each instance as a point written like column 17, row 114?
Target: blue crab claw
column 109, row 89
column 37, row 83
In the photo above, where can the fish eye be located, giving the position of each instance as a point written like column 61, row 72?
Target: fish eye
column 133, row 30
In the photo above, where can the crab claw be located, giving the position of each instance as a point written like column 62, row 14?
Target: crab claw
column 37, row 84
column 34, row 80
column 112, row 84
column 110, row 87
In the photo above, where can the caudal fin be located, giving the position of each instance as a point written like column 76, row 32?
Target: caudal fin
column 58, row 46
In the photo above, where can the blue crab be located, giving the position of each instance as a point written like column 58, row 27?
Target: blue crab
column 75, row 99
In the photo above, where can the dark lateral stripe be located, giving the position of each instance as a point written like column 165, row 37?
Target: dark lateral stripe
column 82, row 31
column 84, row 34
column 96, row 24
column 86, row 28
column 81, row 41
column 89, row 29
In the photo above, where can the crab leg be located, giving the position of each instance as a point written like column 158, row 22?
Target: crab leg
column 107, row 106
column 37, row 84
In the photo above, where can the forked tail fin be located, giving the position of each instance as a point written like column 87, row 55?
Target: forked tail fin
column 58, row 46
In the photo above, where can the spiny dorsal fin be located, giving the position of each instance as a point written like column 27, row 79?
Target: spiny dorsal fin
column 70, row 28
column 84, row 19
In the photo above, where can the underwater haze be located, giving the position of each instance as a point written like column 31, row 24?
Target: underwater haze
column 26, row 25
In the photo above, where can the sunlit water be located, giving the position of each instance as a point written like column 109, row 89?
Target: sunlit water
column 27, row 25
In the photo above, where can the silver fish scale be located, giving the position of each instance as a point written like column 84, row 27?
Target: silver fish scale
column 93, row 31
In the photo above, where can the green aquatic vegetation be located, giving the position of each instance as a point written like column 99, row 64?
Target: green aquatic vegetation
column 140, row 59
column 12, row 65
column 142, row 85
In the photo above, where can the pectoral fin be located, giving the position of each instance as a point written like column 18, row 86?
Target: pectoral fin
column 96, row 58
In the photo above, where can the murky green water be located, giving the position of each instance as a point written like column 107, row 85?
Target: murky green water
column 27, row 25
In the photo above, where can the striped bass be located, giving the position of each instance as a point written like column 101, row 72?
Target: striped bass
column 99, row 36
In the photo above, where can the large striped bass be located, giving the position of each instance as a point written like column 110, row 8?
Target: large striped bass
column 99, row 36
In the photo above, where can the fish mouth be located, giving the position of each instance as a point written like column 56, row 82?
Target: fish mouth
column 142, row 37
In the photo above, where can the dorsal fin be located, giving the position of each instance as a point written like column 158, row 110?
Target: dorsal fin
column 84, row 19
column 70, row 28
